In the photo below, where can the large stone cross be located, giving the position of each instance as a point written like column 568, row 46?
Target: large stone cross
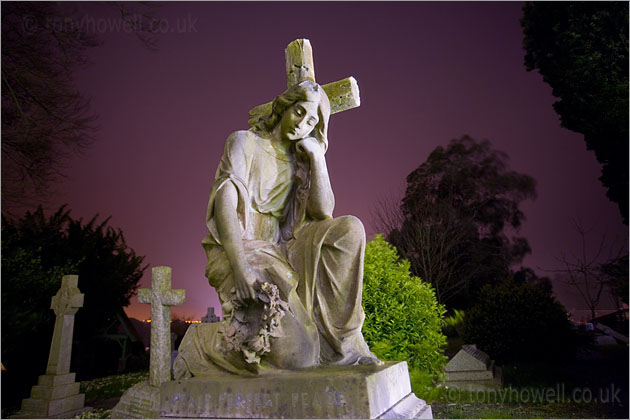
column 56, row 393
column 161, row 297
column 65, row 303
column 343, row 94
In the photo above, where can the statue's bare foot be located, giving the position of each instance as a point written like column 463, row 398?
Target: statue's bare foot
column 369, row 360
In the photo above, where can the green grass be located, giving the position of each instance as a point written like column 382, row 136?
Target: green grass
column 99, row 390
column 111, row 386
column 95, row 413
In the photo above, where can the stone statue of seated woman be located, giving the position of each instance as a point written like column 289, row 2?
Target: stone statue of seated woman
column 288, row 275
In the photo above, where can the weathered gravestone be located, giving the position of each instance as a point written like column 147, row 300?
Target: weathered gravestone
column 57, row 394
column 210, row 317
column 289, row 278
column 471, row 369
column 142, row 400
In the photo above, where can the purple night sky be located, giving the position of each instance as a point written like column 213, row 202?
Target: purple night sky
column 427, row 72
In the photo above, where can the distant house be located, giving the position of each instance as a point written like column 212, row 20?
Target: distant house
column 608, row 329
column 123, row 331
column 619, row 316
column 144, row 330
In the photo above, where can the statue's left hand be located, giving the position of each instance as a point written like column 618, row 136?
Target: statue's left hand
column 310, row 146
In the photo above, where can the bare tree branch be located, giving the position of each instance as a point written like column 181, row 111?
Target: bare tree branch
column 45, row 119
column 586, row 273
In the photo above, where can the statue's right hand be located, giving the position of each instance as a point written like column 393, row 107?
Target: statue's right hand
column 244, row 279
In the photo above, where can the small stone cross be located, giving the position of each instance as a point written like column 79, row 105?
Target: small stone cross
column 65, row 303
column 343, row 94
column 161, row 297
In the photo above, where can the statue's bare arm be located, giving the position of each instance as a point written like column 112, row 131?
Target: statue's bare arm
column 231, row 237
column 321, row 200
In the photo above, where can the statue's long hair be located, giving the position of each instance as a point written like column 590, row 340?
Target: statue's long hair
column 295, row 213
column 304, row 91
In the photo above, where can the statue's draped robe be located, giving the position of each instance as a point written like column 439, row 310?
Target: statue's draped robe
column 317, row 265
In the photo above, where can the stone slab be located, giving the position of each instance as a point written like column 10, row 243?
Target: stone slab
column 468, row 358
column 472, row 375
column 469, row 375
column 332, row 392
column 140, row 401
column 54, row 380
column 47, row 408
column 476, row 353
column 495, row 383
column 66, row 415
column 71, row 414
column 411, row 407
column 47, row 392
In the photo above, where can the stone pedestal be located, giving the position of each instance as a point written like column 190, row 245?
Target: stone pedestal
column 53, row 395
column 335, row 392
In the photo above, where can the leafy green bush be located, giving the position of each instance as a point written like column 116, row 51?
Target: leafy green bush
column 425, row 386
column 516, row 321
column 454, row 324
column 403, row 320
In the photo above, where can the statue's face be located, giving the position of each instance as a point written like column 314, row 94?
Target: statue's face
column 299, row 120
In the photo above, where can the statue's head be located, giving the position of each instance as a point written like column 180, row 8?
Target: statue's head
column 301, row 111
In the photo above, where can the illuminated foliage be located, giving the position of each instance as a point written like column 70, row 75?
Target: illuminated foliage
column 403, row 319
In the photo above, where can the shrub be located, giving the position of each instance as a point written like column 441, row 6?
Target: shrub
column 37, row 250
column 403, row 319
column 454, row 324
column 519, row 322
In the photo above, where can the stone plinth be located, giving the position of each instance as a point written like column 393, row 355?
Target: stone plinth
column 471, row 369
column 53, row 395
column 333, row 392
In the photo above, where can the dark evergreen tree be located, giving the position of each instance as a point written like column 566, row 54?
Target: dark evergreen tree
column 581, row 50
column 36, row 252
column 458, row 217
column 519, row 322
